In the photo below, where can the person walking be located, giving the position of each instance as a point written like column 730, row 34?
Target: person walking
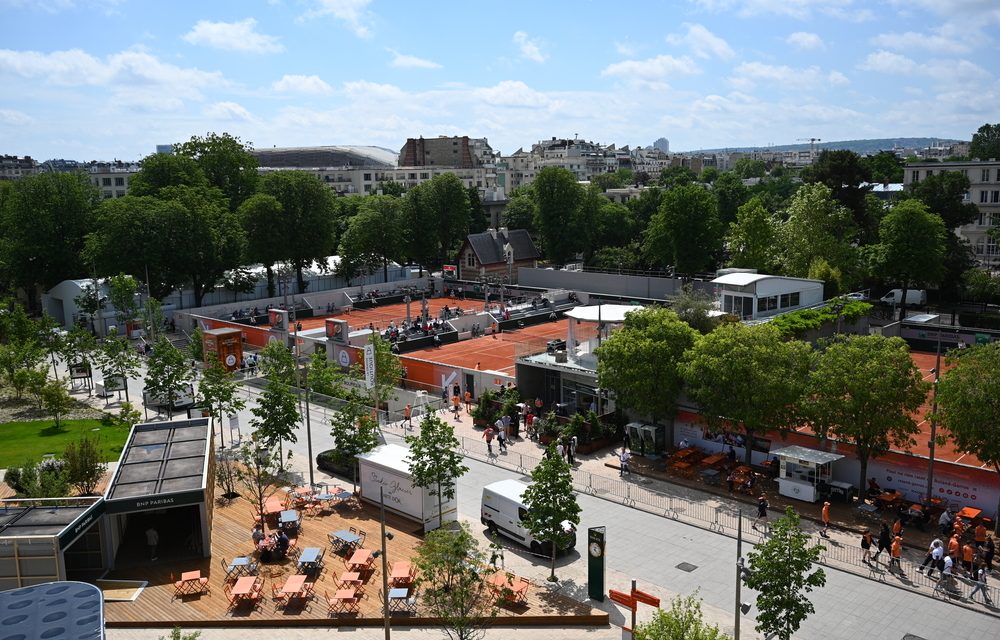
column 456, row 404
column 929, row 558
column 152, row 541
column 989, row 550
column 561, row 450
column 884, row 541
column 761, row 513
column 468, row 402
column 980, row 581
column 488, row 436
column 571, row 451
column 897, row 552
column 502, row 440
column 731, row 480
column 623, row 459
column 866, row 546
column 968, row 554
column 826, row 520
column 897, row 527
column 408, row 415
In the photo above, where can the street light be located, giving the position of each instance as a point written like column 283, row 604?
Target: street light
column 932, row 444
column 385, row 576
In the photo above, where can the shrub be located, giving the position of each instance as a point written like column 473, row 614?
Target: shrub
column 84, row 466
column 797, row 323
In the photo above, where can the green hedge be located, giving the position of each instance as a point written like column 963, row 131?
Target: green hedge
column 798, row 323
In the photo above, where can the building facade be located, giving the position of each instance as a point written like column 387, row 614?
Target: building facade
column 15, row 168
column 111, row 178
column 984, row 192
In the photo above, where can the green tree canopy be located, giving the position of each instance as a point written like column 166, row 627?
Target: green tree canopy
column 478, row 222
column 986, row 142
column 167, row 373
column 227, row 163
column 967, row 402
column 639, row 362
column 161, row 170
column 782, row 573
column 672, row 177
column 747, row 377
column 219, row 391
column 355, row 432
column 884, row 166
column 818, row 227
column 682, row 621
column 685, row 232
column 731, row 195
column 944, row 194
column 275, row 417
column 550, row 504
column 520, row 212
column 374, row 237
column 844, row 173
column 911, row 248
column 557, row 198
column 435, row 462
column 864, row 390
column 258, row 215
column 753, row 238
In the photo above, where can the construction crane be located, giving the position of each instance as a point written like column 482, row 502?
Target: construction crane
column 812, row 145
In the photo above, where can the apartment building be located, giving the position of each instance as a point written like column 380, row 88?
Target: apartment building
column 111, row 178
column 585, row 159
column 15, row 168
column 984, row 192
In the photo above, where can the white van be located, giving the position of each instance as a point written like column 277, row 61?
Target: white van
column 503, row 510
column 913, row 297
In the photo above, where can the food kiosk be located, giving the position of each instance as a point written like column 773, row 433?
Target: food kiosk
column 803, row 470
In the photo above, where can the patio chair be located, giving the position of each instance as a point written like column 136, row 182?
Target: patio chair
column 362, row 535
column 277, row 597
column 252, row 568
column 293, row 548
column 229, row 595
column 332, row 604
column 203, row 585
column 353, row 530
column 178, row 586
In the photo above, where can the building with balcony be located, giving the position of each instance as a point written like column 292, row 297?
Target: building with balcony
column 15, row 168
column 984, row 192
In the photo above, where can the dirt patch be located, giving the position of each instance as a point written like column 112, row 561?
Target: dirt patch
column 14, row 410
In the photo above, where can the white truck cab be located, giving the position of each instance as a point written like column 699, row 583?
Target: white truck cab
column 503, row 512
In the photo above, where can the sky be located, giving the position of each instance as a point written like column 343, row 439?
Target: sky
column 111, row 79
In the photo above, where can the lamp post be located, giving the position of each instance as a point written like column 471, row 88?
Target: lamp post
column 739, row 572
column 932, row 444
column 385, row 562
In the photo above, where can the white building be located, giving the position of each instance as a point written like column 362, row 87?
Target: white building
column 751, row 296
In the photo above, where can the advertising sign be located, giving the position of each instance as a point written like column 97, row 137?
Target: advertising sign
column 278, row 319
column 114, row 383
column 369, row 366
column 337, row 330
column 450, row 271
column 79, row 371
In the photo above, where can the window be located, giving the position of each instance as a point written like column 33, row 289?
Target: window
column 930, row 172
column 413, row 176
column 105, row 182
column 996, row 197
column 470, row 259
column 793, row 299
column 120, row 193
column 424, row 176
column 106, row 194
column 769, row 303
column 368, row 188
column 916, row 175
column 784, row 300
column 368, row 177
column 983, row 196
column 985, row 175
column 119, row 182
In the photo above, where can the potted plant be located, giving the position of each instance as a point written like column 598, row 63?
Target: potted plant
column 484, row 414
column 549, row 429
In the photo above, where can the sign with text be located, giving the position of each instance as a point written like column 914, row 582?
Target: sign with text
column 596, row 562
column 369, row 366
column 154, row 502
column 114, row 383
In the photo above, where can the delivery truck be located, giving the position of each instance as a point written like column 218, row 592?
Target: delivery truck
column 388, row 467
column 916, row 297
column 503, row 512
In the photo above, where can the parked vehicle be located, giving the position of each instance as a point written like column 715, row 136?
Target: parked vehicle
column 503, row 512
column 913, row 297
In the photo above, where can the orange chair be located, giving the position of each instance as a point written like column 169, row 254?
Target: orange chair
column 178, row 586
column 279, row 598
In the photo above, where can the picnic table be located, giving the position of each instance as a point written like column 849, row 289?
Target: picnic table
column 714, row 459
column 969, row 513
column 191, row 582
column 344, row 601
column 295, row 586
column 238, row 567
column 360, row 560
column 274, row 505
column 351, row 579
column 685, row 453
column 289, row 519
column 888, row 498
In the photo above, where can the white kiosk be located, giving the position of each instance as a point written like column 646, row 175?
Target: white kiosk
column 802, row 470
column 388, row 466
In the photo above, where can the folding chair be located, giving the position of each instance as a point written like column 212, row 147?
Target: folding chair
column 279, row 598
column 362, row 535
column 178, row 586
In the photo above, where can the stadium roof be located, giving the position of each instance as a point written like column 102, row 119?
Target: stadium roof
column 326, row 157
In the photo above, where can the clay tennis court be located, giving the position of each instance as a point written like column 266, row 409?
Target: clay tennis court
column 495, row 354
column 380, row 316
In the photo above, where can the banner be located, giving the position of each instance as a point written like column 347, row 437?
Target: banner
column 369, row 366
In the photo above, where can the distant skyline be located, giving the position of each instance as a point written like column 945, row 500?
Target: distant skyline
column 106, row 79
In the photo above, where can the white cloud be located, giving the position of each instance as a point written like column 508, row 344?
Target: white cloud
column 658, row 68
column 512, row 93
column 702, row 42
column 227, row 111
column 233, row 36
column 798, row 9
column 837, row 79
column 403, row 61
column 372, row 91
column 530, row 49
column 805, row 41
column 883, row 61
column 14, row 117
column 947, row 39
column 749, row 74
column 126, row 68
column 313, row 85
column 626, row 49
column 354, row 13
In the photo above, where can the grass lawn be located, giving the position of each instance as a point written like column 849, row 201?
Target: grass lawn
column 24, row 441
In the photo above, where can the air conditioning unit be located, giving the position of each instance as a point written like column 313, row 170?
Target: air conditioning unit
column 561, row 355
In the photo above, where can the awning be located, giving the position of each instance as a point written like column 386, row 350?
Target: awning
column 812, row 456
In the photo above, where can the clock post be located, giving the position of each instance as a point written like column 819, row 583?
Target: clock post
column 596, row 563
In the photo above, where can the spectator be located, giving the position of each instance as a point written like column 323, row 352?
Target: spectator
column 980, row 586
column 866, row 546
column 152, row 541
column 826, row 520
column 488, row 436
column 897, row 552
column 281, row 545
column 258, row 534
column 623, row 459
column 884, row 541
column 761, row 512
column 929, row 559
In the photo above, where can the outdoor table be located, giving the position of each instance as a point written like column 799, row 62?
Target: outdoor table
column 289, row 518
column 325, row 497
column 502, row 580
column 238, row 567
column 399, row 600
column 347, row 599
column 350, row 578
column 294, row 586
column 713, row 460
column 969, row 513
column 304, row 491
column 191, row 580
column 710, row 476
column 401, row 573
column 684, row 453
column 347, row 539
column 244, row 587
column 888, row 498
column 360, row 560
column 309, row 558
column 273, row 505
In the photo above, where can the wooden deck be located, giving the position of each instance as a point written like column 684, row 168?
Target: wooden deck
column 158, row 607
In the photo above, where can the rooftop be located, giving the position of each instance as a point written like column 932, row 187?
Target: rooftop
column 162, row 457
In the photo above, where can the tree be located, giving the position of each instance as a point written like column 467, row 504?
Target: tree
column 167, row 373
column 639, row 362
column 749, row 168
column 116, row 357
column 645, row 206
column 557, row 197
column 731, row 194
column 986, row 142
column 613, row 226
column 257, row 215
column 848, row 178
column 452, row 588
column 122, row 292
column 694, row 307
column 753, row 238
column 709, row 175
column 967, row 402
column 391, row 188
column 550, row 504
column 84, row 466
column 17, row 359
column 325, row 377
column 944, row 194
column 161, row 170
column 355, row 432
column 448, row 215
column 685, row 232
column 673, row 177
column 747, row 377
column 375, row 235
column 388, row 371
column 435, row 463
column 781, row 571
column 520, row 212
column 219, row 391
column 865, row 390
column 277, row 362
column 304, row 231
column 884, row 167
column 43, row 222
column 258, row 471
column 682, row 621
column 911, row 248
column 981, row 285
column 478, row 221
column 818, row 227
column 275, row 417
column 56, row 399
column 227, row 162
